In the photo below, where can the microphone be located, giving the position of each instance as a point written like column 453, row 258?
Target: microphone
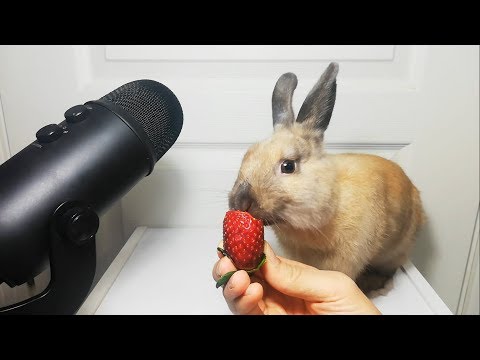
column 76, row 169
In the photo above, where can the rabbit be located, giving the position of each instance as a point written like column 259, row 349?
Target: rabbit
column 353, row 213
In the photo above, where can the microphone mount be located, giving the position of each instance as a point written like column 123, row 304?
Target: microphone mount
column 73, row 227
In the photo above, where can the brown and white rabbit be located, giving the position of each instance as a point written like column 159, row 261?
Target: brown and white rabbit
column 354, row 213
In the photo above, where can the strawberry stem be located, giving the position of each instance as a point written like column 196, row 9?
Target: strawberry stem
column 264, row 259
column 224, row 279
column 224, row 253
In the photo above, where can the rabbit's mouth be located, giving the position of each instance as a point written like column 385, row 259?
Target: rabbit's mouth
column 269, row 220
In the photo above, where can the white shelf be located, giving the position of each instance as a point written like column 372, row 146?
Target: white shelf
column 168, row 271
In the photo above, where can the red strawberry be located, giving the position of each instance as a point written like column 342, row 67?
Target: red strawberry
column 242, row 242
column 243, row 239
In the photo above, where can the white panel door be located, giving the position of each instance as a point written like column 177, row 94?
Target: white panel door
column 415, row 104
column 4, row 148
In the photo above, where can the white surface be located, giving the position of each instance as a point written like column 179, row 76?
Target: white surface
column 95, row 298
column 169, row 272
column 425, row 96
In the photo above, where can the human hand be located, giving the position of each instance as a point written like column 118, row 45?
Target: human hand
column 283, row 286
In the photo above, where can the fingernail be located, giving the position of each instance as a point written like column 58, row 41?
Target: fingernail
column 271, row 257
column 220, row 267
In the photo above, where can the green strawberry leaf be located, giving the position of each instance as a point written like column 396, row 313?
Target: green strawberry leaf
column 224, row 279
column 224, row 253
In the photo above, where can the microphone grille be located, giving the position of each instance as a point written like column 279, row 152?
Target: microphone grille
column 155, row 107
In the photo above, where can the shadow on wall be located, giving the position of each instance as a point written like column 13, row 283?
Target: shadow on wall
column 109, row 239
column 154, row 201
column 424, row 250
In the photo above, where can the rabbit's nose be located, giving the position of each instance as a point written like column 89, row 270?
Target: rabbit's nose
column 242, row 198
column 245, row 204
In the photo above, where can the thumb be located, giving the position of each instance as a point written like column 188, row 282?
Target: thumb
column 295, row 279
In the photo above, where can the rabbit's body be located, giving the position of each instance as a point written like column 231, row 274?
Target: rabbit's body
column 372, row 218
column 354, row 213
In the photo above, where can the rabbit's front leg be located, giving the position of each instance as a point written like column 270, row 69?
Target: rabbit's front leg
column 373, row 279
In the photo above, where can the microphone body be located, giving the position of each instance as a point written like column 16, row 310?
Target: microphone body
column 95, row 156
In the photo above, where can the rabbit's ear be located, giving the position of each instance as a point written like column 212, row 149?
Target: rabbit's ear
column 282, row 110
column 318, row 106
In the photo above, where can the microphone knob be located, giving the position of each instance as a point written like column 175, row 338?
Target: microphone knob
column 80, row 224
column 49, row 133
column 76, row 114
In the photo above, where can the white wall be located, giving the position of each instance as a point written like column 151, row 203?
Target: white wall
column 415, row 104
column 444, row 163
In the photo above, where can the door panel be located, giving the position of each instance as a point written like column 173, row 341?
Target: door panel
column 4, row 148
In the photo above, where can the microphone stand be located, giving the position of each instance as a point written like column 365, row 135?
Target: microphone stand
column 72, row 263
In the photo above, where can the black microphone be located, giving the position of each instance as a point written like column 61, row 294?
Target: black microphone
column 77, row 169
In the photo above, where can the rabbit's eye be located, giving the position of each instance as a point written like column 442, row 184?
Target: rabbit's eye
column 288, row 166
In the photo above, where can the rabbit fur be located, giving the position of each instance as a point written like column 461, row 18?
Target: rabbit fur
column 354, row 213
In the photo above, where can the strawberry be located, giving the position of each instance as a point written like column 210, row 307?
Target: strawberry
column 242, row 242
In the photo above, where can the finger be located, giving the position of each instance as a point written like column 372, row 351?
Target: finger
column 299, row 280
column 249, row 302
column 221, row 267
column 273, row 259
column 242, row 297
column 236, row 285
